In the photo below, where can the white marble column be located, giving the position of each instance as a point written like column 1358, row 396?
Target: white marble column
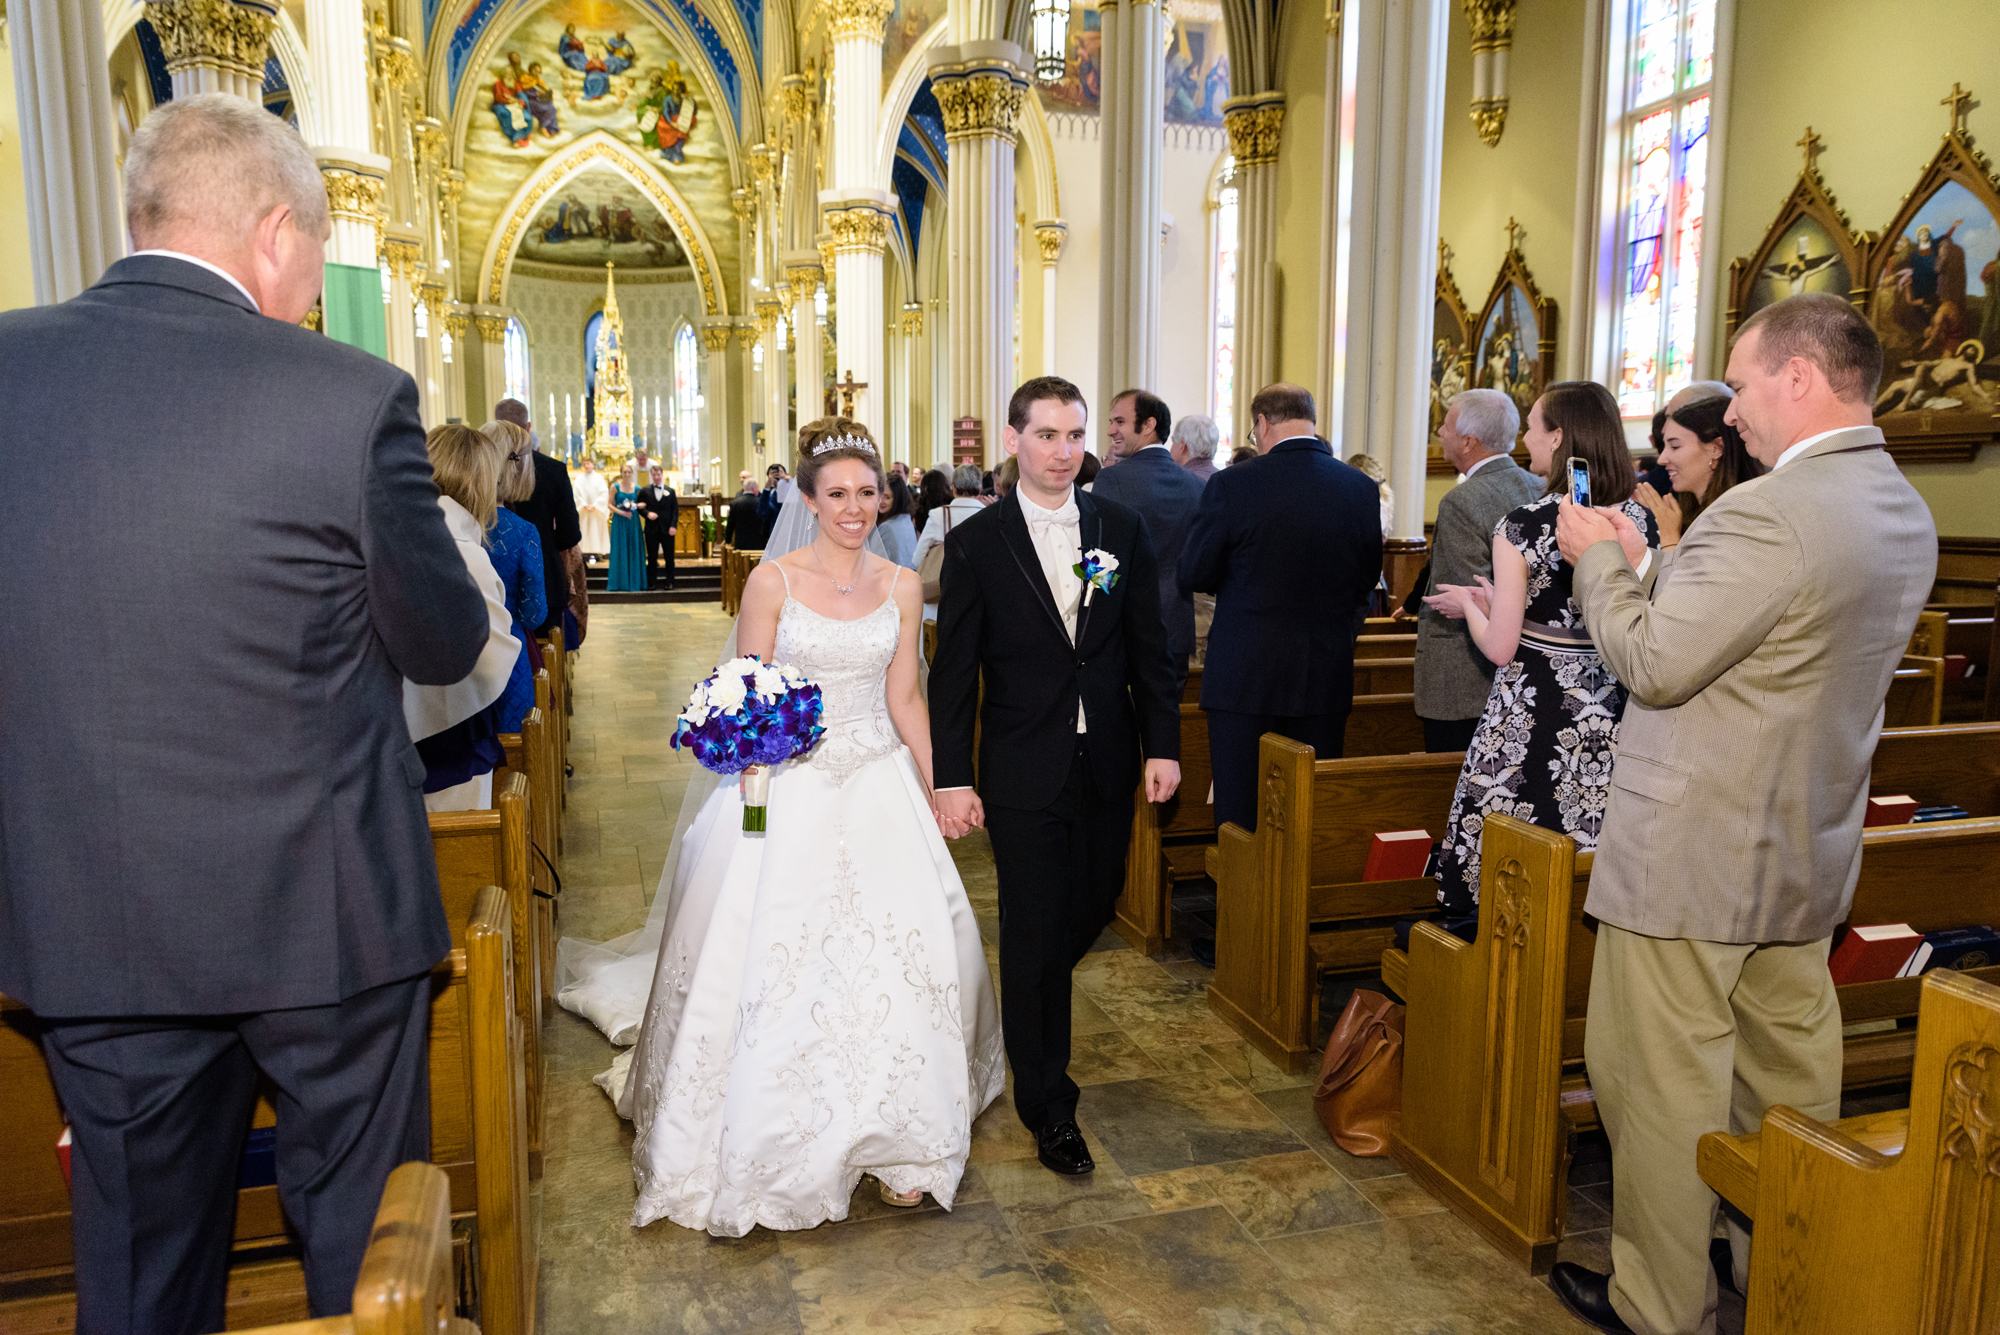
column 215, row 46
column 1133, row 144
column 1255, row 124
column 433, row 403
column 69, row 146
column 777, row 378
column 715, row 395
column 856, row 207
column 905, row 390
column 403, row 254
column 979, row 87
column 860, row 235
column 1051, row 235
column 457, row 324
column 805, row 276
column 491, row 322
column 337, row 36
column 1390, row 162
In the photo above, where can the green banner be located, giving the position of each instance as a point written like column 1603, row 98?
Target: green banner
column 353, row 304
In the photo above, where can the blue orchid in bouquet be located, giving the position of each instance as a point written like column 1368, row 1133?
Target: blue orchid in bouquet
column 747, row 716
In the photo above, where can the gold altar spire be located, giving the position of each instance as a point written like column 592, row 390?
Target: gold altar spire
column 611, row 436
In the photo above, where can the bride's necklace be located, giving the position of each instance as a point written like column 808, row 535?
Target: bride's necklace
column 842, row 589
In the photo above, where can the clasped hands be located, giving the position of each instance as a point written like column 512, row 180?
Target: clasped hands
column 959, row 811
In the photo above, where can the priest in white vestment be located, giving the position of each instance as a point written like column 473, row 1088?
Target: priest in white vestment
column 593, row 511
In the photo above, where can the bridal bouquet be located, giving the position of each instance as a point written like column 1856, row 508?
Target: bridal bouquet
column 748, row 716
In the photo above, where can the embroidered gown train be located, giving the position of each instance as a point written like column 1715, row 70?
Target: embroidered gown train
column 820, row 1004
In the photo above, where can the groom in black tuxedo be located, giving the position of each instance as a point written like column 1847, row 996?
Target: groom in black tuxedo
column 1078, row 684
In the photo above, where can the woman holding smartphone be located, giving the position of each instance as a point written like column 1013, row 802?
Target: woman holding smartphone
column 1543, row 749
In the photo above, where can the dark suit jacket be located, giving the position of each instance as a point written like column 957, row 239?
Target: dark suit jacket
column 552, row 510
column 209, row 801
column 1166, row 497
column 664, row 502
column 744, row 530
column 996, row 615
column 1290, row 544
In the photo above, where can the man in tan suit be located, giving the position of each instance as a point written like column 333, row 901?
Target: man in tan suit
column 1758, row 653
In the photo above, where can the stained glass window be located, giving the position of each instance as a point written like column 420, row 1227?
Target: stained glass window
column 687, row 403
column 1225, row 312
column 514, row 348
column 1664, row 132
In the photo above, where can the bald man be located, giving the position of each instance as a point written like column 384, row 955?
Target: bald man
column 214, row 858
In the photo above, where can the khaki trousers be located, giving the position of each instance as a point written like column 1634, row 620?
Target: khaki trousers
column 1688, row 1037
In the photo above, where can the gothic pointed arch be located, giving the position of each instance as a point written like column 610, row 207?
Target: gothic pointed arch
column 592, row 150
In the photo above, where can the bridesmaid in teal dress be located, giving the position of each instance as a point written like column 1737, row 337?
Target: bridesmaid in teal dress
column 628, row 541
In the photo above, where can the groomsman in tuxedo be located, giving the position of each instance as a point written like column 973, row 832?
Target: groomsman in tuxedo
column 660, row 511
column 1165, row 495
column 1290, row 544
column 1051, row 597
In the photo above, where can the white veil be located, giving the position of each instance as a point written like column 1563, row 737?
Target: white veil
column 609, row 982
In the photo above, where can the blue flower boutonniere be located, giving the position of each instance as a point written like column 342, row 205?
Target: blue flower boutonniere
column 1098, row 570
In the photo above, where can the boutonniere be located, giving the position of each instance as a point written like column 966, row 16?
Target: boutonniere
column 1098, row 570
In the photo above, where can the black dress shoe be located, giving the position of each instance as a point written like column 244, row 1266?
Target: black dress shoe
column 1203, row 950
column 1061, row 1150
column 1587, row 1295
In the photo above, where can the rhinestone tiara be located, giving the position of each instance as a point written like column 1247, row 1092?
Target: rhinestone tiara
column 861, row 443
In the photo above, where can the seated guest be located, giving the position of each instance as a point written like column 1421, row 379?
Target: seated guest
column 1542, row 750
column 1372, row 467
column 457, row 727
column 963, row 505
column 933, row 492
column 1193, row 443
column 899, row 535
column 1703, row 457
column 1006, row 477
column 1242, row 454
column 516, row 552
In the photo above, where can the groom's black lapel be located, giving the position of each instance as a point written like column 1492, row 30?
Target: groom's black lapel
column 1021, row 546
column 1090, row 531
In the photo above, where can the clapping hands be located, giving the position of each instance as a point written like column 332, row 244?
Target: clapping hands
column 1456, row 600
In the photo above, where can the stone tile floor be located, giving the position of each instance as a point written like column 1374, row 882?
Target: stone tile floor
column 1219, row 1205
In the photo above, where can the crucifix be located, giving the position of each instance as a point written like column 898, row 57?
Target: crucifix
column 1811, row 144
column 847, row 389
column 1444, row 254
column 1960, row 103
column 1514, row 234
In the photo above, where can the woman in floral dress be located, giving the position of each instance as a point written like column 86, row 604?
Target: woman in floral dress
column 1544, row 746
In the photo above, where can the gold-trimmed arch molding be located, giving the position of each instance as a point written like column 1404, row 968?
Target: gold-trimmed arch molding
column 600, row 147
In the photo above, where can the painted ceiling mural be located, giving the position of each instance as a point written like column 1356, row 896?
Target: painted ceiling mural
column 572, row 68
column 1196, row 60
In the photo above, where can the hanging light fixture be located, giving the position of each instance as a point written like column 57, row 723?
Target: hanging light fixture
column 1048, row 20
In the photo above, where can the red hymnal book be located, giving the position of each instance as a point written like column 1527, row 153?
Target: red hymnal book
column 1957, row 667
column 1899, row 810
column 1395, row 855
column 62, row 1154
column 1866, row 954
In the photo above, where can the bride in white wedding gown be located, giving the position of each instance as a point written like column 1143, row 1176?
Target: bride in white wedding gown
column 820, row 1006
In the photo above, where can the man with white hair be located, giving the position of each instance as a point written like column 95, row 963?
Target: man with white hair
column 1193, row 443
column 214, row 857
column 1453, row 678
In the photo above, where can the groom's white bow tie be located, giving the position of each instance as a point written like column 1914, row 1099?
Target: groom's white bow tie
column 1042, row 521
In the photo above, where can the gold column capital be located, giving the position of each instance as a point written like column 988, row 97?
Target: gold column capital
column 1492, row 24
column 858, row 18
column 979, row 99
column 857, row 228
column 913, row 321
column 1255, row 124
column 715, row 337
column 1051, row 234
column 492, row 329
column 798, row 97
column 405, row 258
column 219, row 33
column 352, row 193
column 456, row 323
column 434, row 297
column 743, row 203
column 804, row 280
column 763, row 163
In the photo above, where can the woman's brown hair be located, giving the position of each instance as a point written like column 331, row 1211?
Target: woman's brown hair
column 1735, row 464
column 1587, row 416
column 467, row 468
column 517, row 467
column 813, row 433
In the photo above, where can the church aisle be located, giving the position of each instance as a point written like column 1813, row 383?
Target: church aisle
column 1219, row 1204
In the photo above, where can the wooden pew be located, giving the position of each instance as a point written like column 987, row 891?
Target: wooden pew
column 556, row 717
column 478, row 1141
column 1168, row 842
column 1488, row 1146
column 736, row 568
column 530, row 755
column 481, row 848
column 1883, row 1222
column 1916, row 694
column 1290, row 901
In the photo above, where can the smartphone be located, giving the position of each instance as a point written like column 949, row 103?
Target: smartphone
column 1579, row 482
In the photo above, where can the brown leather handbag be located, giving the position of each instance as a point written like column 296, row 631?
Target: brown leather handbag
column 1359, row 1098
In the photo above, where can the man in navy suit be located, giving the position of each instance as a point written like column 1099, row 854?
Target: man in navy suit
column 1165, row 495
column 214, row 857
column 1290, row 544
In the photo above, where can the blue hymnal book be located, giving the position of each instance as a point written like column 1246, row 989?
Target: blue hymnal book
column 1956, row 948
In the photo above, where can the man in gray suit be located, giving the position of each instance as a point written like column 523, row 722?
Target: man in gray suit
column 1453, row 676
column 1166, row 497
column 214, row 858
column 1732, row 839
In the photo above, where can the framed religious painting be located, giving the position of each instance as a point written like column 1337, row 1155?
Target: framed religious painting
column 1451, row 354
column 1810, row 247
column 1933, row 295
column 1516, row 347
